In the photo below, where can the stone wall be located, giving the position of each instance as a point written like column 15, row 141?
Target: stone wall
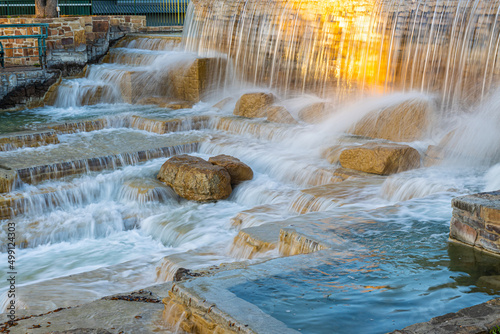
column 381, row 45
column 72, row 41
column 25, row 88
column 476, row 221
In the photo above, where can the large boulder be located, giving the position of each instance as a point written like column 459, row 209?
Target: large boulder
column 238, row 171
column 315, row 113
column 380, row 158
column 405, row 122
column 253, row 105
column 195, row 179
column 279, row 114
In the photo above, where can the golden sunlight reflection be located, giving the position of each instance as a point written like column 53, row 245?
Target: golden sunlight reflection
column 351, row 46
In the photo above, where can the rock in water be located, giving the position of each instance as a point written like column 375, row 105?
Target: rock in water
column 315, row 113
column 279, row 114
column 253, row 105
column 380, row 158
column 195, row 179
column 238, row 171
column 407, row 121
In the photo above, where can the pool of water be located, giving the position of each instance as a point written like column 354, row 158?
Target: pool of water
column 404, row 272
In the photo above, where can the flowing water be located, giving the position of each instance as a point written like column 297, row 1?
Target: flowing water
column 108, row 227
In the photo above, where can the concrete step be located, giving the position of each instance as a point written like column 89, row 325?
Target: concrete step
column 103, row 150
column 37, row 138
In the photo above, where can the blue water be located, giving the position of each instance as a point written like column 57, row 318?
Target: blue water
column 405, row 272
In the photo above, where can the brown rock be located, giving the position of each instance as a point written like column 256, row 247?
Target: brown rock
column 315, row 113
column 253, row 105
column 380, row 158
column 238, row 171
column 7, row 180
column 196, row 179
column 406, row 122
column 191, row 82
column 279, row 114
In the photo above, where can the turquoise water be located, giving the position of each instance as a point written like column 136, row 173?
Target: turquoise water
column 405, row 272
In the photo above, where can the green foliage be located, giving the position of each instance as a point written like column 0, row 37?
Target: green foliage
column 495, row 330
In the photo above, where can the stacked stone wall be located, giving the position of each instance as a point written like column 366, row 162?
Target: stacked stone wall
column 313, row 45
column 72, row 41
column 476, row 221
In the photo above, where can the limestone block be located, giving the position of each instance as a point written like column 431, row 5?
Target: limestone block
column 238, row 170
column 315, row 113
column 190, row 83
column 253, row 105
column 405, row 122
column 193, row 178
column 279, row 114
column 7, row 180
column 380, row 158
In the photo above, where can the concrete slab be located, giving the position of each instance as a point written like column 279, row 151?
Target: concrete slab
column 106, row 150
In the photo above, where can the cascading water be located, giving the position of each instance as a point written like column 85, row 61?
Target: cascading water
column 96, row 221
column 296, row 46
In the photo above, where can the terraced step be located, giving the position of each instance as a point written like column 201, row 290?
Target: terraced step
column 259, row 215
column 355, row 189
column 103, row 150
column 37, row 138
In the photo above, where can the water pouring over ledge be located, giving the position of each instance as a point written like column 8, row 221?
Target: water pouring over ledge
column 449, row 47
column 129, row 231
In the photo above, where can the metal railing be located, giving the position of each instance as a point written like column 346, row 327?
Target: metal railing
column 41, row 46
column 157, row 12
column 27, row 7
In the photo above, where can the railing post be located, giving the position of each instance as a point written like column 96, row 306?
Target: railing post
column 2, row 53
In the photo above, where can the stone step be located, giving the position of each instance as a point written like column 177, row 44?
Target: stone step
column 15, row 140
column 351, row 191
column 259, row 215
column 159, row 125
column 297, row 235
column 82, row 126
column 163, row 126
column 101, row 151
column 199, row 262
column 258, row 128
column 149, row 41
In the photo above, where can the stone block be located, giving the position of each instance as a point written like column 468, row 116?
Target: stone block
column 191, row 82
column 279, row 114
column 79, row 37
column 7, row 180
column 254, row 105
column 67, row 41
column 491, row 215
column 100, row 26
column 380, row 158
column 405, row 122
column 315, row 113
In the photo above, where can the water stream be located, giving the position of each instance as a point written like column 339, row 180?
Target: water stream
column 107, row 230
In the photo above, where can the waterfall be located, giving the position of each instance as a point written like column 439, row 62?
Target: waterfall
column 448, row 47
